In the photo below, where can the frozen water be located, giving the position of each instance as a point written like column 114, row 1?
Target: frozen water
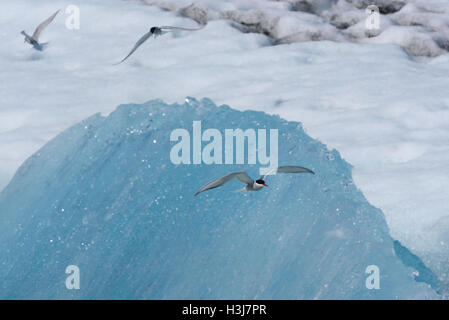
column 385, row 113
column 104, row 196
column 421, row 27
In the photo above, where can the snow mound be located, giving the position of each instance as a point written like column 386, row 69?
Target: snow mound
column 104, row 196
column 420, row 27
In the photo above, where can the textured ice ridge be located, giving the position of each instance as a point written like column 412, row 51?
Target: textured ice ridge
column 421, row 27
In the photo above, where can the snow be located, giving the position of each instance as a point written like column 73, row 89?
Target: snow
column 384, row 111
column 103, row 197
column 420, row 27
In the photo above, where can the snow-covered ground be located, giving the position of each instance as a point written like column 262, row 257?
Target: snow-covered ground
column 421, row 27
column 385, row 112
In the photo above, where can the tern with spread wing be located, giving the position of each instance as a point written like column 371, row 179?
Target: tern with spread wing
column 34, row 39
column 251, row 185
column 155, row 32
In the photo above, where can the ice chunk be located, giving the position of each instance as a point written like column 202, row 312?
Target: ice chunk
column 104, row 196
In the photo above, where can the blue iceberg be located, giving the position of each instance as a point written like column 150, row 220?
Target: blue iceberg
column 104, row 196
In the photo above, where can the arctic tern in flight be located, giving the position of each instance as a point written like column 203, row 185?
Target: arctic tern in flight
column 251, row 185
column 34, row 39
column 155, row 32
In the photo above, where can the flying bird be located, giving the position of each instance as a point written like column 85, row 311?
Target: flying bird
column 34, row 39
column 251, row 185
column 155, row 32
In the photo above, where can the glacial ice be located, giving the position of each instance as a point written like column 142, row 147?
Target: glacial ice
column 392, row 124
column 419, row 26
column 104, row 196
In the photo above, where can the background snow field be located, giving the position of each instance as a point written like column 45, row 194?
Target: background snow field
column 103, row 196
column 376, row 100
column 421, row 27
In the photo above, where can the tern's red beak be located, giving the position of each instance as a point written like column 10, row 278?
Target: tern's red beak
column 265, row 185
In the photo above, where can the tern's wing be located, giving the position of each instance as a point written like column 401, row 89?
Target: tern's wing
column 181, row 28
column 287, row 169
column 241, row 176
column 42, row 26
column 137, row 45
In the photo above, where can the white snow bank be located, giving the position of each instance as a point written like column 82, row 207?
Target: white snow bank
column 420, row 27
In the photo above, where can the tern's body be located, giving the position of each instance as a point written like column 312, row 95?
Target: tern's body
column 155, row 32
column 36, row 45
column 251, row 187
column 34, row 39
column 250, row 184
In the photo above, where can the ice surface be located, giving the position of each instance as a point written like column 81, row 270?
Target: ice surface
column 386, row 114
column 104, row 196
column 421, row 27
